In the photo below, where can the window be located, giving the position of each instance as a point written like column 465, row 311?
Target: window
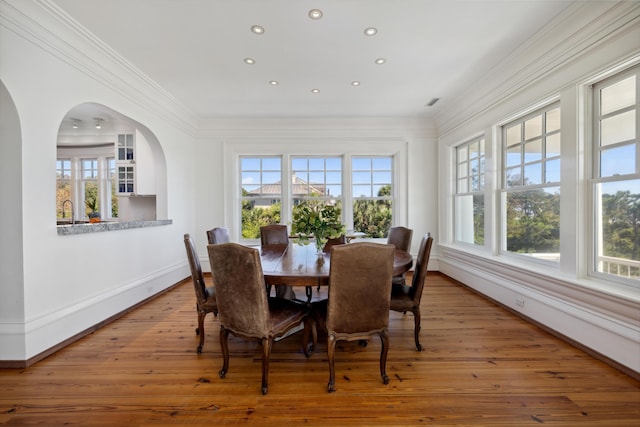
column 261, row 179
column 469, row 197
column 89, row 184
column 112, row 210
column 372, row 194
column 316, row 178
column 616, row 178
column 63, row 187
column 531, row 184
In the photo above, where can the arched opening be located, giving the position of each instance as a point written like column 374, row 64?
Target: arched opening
column 109, row 168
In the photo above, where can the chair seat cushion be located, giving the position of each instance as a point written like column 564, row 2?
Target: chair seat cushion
column 402, row 297
column 210, row 302
column 285, row 314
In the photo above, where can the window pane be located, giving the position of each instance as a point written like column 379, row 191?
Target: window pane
column 621, row 127
column 533, row 222
column 513, row 177
column 553, row 120
column 553, row 145
column 618, row 95
column 462, row 170
column 552, row 171
column 469, row 221
column 463, row 154
column 361, row 177
column 360, row 163
column 618, row 161
column 514, row 155
column 382, row 163
column 298, row 164
column 513, row 134
column 362, row 191
column 618, row 234
column 382, row 177
column 463, row 185
column 533, row 151
column 533, row 174
column 533, row 127
column 271, row 163
column 372, row 217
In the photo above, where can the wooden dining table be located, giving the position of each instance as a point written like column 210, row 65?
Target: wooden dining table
column 294, row 264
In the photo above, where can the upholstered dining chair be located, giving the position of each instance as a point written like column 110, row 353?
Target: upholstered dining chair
column 274, row 234
column 400, row 237
column 245, row 308
column 277, row 234
column 332, row 242
column 205, row 295
column 407, row 298
column 358, row 303
column 218, row 235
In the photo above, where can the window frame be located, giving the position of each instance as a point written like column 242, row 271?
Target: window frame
column 480, row 176
column 287, row 147
column 505, row 189
column 596, row 178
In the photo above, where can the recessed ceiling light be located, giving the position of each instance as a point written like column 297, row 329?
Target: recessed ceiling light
column 380, row 61
column 274, row 82
column 249, row 61
column 257, row 29
column 315, row 90
column 371, row 31
column 355, row 83
column 315, row 14
column 433, row 101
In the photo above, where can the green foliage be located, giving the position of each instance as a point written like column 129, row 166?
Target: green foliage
column 253, row 218
column 621, row 225
column 373, row 217
column 313, row 218
column 533, row 222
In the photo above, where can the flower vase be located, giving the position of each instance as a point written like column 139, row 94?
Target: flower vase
column 320, row 242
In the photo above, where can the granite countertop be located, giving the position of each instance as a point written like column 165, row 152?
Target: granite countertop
column 68, row 230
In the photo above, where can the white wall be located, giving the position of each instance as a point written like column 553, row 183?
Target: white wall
column 70, row 283
column 580, row 46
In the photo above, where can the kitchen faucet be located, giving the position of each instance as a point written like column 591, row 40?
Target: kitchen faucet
column 71, row 203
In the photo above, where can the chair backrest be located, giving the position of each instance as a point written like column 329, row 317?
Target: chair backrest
column 196, row 269
column 218, row 235
column 332, row 242
column 359, row 287
column 420, row 270
column 240, row 289
column 400, row 237
column 274, row 234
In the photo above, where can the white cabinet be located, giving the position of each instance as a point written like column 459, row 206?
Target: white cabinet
column 134, row 165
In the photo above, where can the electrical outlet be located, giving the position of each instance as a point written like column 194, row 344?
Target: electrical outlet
column 520, row 302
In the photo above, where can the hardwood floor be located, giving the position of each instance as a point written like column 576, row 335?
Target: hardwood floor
column 481, row 366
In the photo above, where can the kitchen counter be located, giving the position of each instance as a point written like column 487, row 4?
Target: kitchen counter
column 68, row 230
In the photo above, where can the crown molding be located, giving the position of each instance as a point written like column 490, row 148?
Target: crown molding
column 573, row 34
column 45, row 25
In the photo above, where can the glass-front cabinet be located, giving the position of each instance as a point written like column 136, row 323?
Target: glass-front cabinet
column 126, row 164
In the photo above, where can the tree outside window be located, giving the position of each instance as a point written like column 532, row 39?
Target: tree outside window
column 372, row 193
column 261, row 179
column 531, row 184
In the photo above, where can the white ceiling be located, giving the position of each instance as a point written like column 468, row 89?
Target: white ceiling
column 195, row 50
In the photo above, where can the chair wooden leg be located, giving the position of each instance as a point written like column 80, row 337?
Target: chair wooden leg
column 266, row 351
column 224, row 345
column 200, row 330
column 309, row 324
column 331, row 353
column 384, row 337
column 416, row 328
